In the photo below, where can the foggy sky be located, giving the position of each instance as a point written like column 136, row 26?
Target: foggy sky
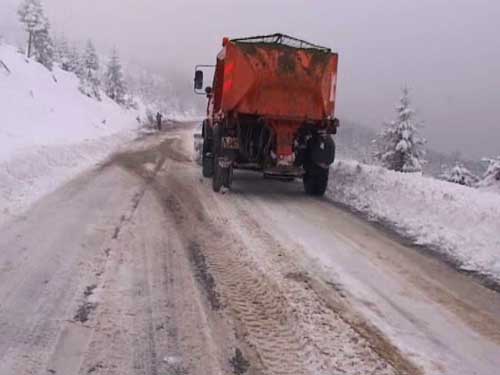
column 446, row 51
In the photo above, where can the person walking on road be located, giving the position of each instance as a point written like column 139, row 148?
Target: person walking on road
column 158, row 121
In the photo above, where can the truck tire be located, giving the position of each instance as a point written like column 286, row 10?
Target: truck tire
column 223, row 176
column 229, row 178
column 218, row 177
column 223, row 170
column 316, row 180
column 207, row 158
column 321, row 150
column 208, row 164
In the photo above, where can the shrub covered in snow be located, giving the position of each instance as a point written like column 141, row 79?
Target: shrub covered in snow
column 491, row 177
column 459, row 175
column 399, row 146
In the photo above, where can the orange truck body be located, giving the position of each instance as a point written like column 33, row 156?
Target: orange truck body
column 277, row 82
column 271, row 108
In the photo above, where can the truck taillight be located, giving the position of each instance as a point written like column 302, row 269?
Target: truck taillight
column 228, row 85
column 228, row 76
column 229, row 69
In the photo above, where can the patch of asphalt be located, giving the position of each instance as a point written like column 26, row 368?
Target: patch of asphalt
column 203, row 275
column 84, row 311
column 239, row 363
column 89, row 290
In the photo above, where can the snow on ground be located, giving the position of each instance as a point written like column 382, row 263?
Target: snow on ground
column 29, row 175
column 49, row 131
column 460, row 223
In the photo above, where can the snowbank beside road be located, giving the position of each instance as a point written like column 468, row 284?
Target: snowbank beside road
column 461, row 223
column 31, row 174
column 46, row 108
column 49, row 130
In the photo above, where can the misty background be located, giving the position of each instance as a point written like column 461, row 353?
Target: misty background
column 446, row 51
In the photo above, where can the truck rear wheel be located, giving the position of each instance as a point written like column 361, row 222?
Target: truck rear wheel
column 223, row 176
column 222, row 167
column 315, row 180
column 207, row 164
column 207, row 153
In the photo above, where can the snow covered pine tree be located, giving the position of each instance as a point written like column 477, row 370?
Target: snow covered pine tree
column 44, row 47
column 36, row 24
column 31, row 15
column 459, row 175
column 62, row 53
column 399, row 146
column 114, row 81
column 75, row 62
column 492, row 175
column 89, row 81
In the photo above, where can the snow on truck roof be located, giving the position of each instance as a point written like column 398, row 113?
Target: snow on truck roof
column 283, row 40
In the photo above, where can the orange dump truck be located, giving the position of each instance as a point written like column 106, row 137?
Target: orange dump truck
column 271, row 109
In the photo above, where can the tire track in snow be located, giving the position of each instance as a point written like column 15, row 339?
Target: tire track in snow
column 270, row 324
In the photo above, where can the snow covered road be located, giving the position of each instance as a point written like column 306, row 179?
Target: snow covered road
column 137, row 267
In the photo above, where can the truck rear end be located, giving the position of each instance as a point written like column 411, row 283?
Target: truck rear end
column 271, row 108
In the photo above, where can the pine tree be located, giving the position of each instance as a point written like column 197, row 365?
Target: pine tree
column 459, row 174
column 90, row 60
column 36, row 24
column 61, row 51
column 492, row 175
column 114, row 81
column 89, row 82
column 43, row 47
column 31, row 15
column 64, row 54
column 75, row 64
column 400, row 147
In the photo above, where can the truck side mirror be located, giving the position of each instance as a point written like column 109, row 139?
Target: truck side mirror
column 208, row 90
column 198, row 80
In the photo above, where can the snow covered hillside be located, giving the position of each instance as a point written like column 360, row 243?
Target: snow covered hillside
column 49, row 130
column 461, row 223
